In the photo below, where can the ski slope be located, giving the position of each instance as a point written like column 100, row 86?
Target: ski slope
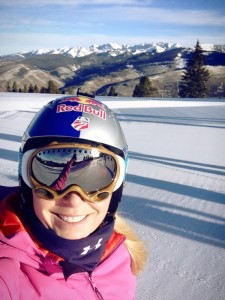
column 174, row 195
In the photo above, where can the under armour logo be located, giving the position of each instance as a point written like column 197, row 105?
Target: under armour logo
column 88, row 248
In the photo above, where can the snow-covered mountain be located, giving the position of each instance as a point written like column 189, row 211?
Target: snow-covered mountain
column 212, row 47
column 111, row 48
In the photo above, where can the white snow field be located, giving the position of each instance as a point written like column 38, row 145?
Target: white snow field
column 174, row 195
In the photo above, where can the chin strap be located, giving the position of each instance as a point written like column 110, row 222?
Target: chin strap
column 26, row 196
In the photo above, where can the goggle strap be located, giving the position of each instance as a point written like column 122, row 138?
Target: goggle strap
column 122, row 172
column 24, row 166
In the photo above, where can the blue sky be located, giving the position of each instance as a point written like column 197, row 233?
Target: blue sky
column 27, row 25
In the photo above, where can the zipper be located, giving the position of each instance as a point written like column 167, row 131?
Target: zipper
column 98, row 294
column 95, row 289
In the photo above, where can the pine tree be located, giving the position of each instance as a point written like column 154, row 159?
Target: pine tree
column 195, row 78
column 14, row 87
column 25, row 89
column 52, row 88
column 36, row 89
column 8, row 87
column 144, row 88
column 31, row 88
column 112, row 91
column 43, row 90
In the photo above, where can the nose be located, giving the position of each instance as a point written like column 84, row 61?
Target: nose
column 72, row 199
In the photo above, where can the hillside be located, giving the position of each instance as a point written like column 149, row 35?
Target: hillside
column 97, row 71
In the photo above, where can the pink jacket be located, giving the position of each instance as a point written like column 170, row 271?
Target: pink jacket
column 28, row 272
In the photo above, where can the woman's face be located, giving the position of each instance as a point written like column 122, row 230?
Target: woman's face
column 70, row 217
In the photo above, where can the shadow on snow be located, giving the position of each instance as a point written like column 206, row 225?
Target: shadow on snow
column 195, row 166
column 200, row 116
column 172, row 219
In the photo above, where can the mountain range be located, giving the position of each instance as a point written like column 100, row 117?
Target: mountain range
column 99, row 67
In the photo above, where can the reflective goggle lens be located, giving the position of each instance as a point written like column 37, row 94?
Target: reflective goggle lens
column 54, row 170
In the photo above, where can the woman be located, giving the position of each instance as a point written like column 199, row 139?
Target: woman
column 60, row 235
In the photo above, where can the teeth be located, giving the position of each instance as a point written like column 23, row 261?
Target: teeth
column 72, row 219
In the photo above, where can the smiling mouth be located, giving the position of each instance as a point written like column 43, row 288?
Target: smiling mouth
column 71, row 219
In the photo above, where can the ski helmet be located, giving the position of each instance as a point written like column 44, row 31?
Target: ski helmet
column 77, row 119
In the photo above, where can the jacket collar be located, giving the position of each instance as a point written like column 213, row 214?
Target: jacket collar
column 12, row 226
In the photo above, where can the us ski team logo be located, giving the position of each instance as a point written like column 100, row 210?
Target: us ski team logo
column 81, row 123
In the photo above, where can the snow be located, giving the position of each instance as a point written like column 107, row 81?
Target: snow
column 111, row 48
column 40, row 51
column 208, row 47
column 174, row 195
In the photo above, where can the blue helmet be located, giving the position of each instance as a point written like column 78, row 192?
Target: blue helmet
column 75, row 119
column 78, row 118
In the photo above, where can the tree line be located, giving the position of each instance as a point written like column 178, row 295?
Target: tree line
column 50, row 89
column 193, row 83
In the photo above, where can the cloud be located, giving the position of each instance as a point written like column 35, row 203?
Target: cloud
column 75, row 2
column 165, row 16
column 95, row 13
column 29, row 25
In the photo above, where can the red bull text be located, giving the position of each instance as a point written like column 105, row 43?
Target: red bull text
column 61, row 108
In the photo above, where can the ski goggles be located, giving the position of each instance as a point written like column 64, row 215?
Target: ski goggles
column 58, row 169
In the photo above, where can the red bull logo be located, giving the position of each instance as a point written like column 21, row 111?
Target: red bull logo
column 88, row 109
column 84, row 100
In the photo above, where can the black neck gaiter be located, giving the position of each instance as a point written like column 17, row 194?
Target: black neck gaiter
column 79, row 255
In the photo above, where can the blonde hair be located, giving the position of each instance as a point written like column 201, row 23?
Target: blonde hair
column 135, row 246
